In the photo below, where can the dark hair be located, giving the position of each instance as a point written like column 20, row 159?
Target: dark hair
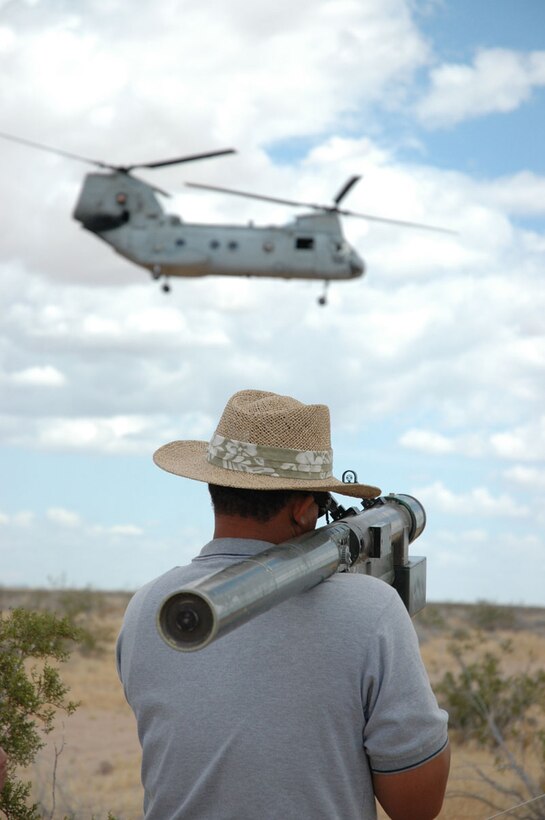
column 259, row 504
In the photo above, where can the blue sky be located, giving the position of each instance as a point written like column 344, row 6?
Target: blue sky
column 432, row 364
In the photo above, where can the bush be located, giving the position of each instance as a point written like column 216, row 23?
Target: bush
column 491, row 617
column 30, row 694
column 503, row 713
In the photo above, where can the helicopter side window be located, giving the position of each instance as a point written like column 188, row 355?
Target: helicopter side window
column 180, row 242
column 304, row 243
column 232, row 246
column 214, row 244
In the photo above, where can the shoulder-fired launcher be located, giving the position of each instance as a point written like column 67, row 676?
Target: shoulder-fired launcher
column 373, row 541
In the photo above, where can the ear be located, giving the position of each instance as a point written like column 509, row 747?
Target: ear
column 301, row 509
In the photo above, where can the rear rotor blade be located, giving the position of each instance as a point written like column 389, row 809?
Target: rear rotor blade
column 401, row 222
column 322, row 208
column 346, row 188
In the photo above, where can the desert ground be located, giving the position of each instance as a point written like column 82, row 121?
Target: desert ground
column 90, row 764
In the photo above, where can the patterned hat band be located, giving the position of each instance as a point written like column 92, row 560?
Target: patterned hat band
column 277, row 462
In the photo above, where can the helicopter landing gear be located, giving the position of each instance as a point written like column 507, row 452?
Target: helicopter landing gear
column 322, row 300
column 156, row 274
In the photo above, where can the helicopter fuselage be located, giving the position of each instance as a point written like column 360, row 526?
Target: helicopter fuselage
column 125, row 213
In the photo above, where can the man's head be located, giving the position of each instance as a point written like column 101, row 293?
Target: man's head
column 259, row 504
column 264, row 442
column 269, row 515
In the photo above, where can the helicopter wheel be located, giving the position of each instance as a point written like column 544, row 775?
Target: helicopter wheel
column 322, row 300
column 165, row 287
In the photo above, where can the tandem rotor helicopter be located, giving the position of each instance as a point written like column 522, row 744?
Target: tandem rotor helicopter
column 124, row 212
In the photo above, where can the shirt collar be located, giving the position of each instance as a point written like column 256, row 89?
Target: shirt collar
column 239, row 547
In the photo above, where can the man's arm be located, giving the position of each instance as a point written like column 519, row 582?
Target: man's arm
column 416, row 794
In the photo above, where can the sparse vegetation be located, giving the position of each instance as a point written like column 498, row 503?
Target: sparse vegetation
column 30, row 695
column 491, row 617
column 85, row 608
column 501, row 712
column 39, row 630
column 91, row 761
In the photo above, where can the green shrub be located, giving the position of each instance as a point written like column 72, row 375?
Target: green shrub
column 31, row 692
column 504, row 713
column 490, row 617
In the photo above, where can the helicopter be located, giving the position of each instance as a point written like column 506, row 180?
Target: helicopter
column 125, row 212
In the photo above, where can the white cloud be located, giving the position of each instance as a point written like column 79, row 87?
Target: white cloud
column 133, row 355
column 58, row 60
column 44, row 376
column 499, row 81
column 65, row 518
column 7, row 39
column 62, row 519
column 531, row 478
column 521, row 193
column 427, row 441
column 477, row 501
column 457, row 550
column 118, row 435
column 471, row 566
column 133, row 359
column 24, row 519
column 444, row 337
column 525, row 442
column 126, row 529
column 215, row 63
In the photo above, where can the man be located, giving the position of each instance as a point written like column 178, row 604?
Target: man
column 313, row 708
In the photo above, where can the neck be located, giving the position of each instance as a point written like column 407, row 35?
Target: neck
column 275, row 531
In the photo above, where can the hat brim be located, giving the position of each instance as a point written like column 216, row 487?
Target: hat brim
column 188, row 459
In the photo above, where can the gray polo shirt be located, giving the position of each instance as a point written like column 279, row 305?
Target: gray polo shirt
column 285, row 717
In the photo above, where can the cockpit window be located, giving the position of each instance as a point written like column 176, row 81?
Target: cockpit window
column 304, row 243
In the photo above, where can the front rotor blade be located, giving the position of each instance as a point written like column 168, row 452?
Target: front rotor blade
column 190, row 158
column 346, row 188
column 58, row 151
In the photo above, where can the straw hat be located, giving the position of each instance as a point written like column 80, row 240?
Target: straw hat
column 263, row 442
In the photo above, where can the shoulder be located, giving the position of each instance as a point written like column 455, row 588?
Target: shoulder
column 364, row 593
column 359, row 607
column 140, row 614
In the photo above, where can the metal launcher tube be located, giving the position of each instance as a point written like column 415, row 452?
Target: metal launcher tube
column 374, row 541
